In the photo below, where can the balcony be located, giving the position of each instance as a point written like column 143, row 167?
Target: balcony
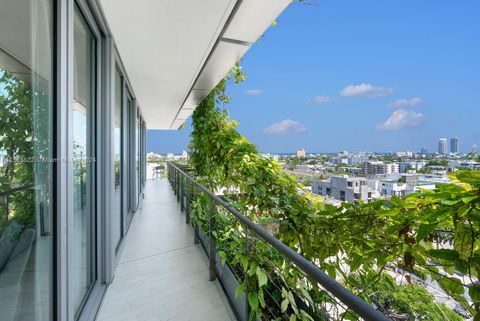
column 161, row 273
column 170, row 270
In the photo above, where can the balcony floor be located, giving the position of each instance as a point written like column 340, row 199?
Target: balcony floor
column 161, row 274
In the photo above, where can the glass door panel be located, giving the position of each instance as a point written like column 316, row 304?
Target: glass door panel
column 26, row 154
column 117, row 163
column 83, row 105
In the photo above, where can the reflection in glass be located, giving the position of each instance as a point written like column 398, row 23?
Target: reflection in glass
column 129, row 147
column 83, row 105
column 117, row 210
column 26, row 90
column 137, row 159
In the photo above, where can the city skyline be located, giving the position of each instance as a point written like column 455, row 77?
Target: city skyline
column 384, row 88
column 447, row 149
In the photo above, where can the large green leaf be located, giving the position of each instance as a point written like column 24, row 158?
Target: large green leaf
column 474, row 292
column 424, row 230
column 262, row 277
column 444, row 254
column 451, row 285
column 253, row 300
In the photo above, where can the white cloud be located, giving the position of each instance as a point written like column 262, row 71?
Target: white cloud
column 402, row 118
column 253, row 92
column 320, row 100
column 286, row 126
column 365, row 90
column 399, row 103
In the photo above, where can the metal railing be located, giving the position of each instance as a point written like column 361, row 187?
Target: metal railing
column 186, row 189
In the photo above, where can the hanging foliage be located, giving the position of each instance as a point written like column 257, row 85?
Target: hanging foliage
column 431, row 235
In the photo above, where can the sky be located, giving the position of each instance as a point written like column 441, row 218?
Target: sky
column 370, row 75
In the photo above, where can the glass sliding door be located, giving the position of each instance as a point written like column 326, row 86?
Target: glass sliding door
column 26, row 158
column 84, row 227
column 117, row 220
column 130, row 175
column 137, row 159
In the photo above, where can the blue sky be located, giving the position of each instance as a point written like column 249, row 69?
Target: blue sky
column 370, row 75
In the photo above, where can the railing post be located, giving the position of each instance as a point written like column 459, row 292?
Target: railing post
column 211, row 240
column 178, row 184
column 182, row 193
column 196, row 238
column 187, row 205
column 247, row 307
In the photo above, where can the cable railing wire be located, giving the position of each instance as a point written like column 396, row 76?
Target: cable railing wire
column 178, row 173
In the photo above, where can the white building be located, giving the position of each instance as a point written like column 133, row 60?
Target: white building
column 404, row 154
column 420, row 187
column 378, row 167
column 357, row 159
column 392, row 188
column 442, row 146
column 343, row 188
column 464, row 164
column 301, row 152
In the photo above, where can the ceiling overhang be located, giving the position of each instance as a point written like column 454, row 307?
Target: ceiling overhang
column 175, row 52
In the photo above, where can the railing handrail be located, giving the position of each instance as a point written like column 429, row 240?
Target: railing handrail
column 16, row 189
column 351, row 300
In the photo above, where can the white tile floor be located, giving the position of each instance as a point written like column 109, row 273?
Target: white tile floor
column 161, row 274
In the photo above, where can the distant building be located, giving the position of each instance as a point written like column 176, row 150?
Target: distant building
column 404, row 154
column 474, row 148
column 464, row 164
column 411, row 179
column 420, row 187
column 351, row 170
column 423, row 151
column 407, row 165
column 374, row 168
column 301, row 152
column 454, row 145
column 357, row 159
column 442, row 146
column 392, row 188
column 379, row 168
column 343, row 188
column 339, row 160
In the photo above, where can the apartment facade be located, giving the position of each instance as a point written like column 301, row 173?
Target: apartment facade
column 80, row 82
column 379, row 168
column 454, row 145
column 442, row 146
column 343, row 188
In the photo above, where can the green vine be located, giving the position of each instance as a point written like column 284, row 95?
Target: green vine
column 432, row 234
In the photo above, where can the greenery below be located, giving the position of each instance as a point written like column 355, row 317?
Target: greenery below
column 410, row 302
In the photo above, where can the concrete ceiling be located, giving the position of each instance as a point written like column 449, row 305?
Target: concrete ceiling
column 176, row 51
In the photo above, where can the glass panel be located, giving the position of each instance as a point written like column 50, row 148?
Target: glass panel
column 26, row 204
column 83, row 167
column 117, row 211
column 137, row 158
column 129, row 177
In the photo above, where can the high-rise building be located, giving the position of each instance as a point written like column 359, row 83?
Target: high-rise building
column 301, row 152
column 423, row 151
column 442, row 146
column 454, row 145
column 474, row 148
